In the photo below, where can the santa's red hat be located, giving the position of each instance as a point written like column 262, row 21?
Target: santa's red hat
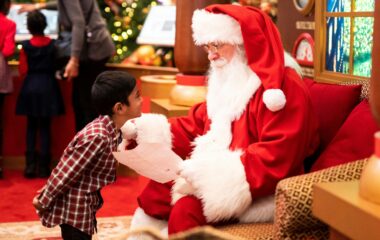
column 251, row 27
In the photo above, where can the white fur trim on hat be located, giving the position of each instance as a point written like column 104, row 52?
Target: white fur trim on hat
column 274, row 99
column 261, row 210
column 211, row 27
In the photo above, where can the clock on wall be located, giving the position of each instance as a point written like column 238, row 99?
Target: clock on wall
column 304, row 6
column 303, row 50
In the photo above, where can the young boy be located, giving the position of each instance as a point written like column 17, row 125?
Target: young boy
column 71, row 196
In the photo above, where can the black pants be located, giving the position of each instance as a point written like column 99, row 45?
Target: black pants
column 39, row 125
column 81, row 94
column 69, row 232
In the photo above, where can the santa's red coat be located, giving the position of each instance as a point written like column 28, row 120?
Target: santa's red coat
column 272, row 146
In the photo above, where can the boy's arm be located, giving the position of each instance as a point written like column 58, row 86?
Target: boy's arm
column 75, row 160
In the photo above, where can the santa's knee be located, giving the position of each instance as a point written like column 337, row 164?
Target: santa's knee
column 186, row 213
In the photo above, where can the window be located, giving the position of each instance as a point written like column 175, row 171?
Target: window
column 343, row 40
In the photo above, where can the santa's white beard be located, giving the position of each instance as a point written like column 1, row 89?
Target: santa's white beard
column 226, row 83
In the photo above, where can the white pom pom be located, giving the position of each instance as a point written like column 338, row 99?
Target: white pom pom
column 274, row 99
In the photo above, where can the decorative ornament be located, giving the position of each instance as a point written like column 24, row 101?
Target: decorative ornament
column 303, row 50
column 115, row 8
column 126, row 21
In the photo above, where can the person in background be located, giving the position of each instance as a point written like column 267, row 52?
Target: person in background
column 71, row 196
column 91, row 48
column 40, row 96
column 256, row 128
column 7, row 46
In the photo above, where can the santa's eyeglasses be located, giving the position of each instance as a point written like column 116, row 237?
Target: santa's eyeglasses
column 212, row 47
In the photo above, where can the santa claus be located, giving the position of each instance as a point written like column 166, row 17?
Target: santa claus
column 255, row 128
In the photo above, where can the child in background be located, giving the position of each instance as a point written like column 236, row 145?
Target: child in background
column 71, row 196
column 40, row 97
column 7, row 46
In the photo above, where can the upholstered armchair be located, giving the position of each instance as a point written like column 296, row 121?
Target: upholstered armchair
column 346, row 132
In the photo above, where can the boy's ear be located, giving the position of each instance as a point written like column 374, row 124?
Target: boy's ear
column 118, row 107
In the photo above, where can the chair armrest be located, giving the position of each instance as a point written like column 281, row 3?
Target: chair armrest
column 294, row 198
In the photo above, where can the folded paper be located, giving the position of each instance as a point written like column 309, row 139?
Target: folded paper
column 152, row 160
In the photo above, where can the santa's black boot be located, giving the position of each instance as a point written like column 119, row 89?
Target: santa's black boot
column 31, row 165
column 44, row 166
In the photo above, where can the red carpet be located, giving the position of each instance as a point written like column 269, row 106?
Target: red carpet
column 17, row 192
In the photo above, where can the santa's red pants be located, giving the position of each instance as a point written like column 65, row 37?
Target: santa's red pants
column 185, row 214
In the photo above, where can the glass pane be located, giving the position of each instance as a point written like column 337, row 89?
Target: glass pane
column 337, row 44
column 338, row 5
column 363, row 31
column 364, row 5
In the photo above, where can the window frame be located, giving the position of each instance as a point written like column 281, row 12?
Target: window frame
column 320, row 73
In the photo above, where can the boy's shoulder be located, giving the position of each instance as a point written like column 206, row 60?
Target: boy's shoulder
column 100, row 126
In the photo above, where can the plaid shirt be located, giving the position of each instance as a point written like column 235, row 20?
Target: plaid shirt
column 72, row 193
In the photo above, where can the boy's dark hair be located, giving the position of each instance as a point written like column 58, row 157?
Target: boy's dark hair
column 36, row 22
column 109, row 88
column 4, row 6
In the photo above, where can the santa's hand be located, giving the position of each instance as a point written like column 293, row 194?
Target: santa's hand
column 188, row 172
column 129, row 130
column 184, row 187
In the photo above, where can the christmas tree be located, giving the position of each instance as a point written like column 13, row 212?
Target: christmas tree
column 125, row 19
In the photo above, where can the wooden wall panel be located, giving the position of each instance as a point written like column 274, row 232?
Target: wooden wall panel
column 291, row 23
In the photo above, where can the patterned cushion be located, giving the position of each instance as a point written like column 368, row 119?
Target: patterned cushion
column 205, row 233
column 365, row 87
column 257, row 231
column 294, row 197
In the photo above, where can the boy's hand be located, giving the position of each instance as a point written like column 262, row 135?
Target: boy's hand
column 37, row 205
column 41, row 189
column 122, row 146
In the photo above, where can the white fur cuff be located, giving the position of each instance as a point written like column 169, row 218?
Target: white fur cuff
column 141, row 220
column 261, row 210
column 219, row 180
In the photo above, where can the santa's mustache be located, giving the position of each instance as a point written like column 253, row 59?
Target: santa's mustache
column 218, row 63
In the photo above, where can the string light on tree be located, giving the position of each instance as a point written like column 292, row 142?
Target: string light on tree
column 125, row 19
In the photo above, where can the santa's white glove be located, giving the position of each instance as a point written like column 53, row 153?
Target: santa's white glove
column 129, row 130
column 188, row 171
column 181, row 186
column 184, row 187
